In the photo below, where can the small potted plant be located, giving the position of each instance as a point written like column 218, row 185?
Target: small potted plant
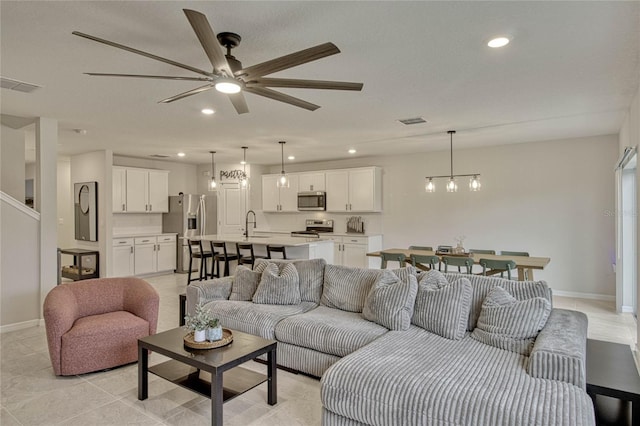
column 214, row 330
column 200, row 322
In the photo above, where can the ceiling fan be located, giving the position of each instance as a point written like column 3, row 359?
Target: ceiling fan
column 228, row 75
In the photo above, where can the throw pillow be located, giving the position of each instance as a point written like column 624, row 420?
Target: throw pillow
column 278, row 287
column 442, row 308
column 507, row 323
column 346, row 288
column 390, row 301
column 245, row 283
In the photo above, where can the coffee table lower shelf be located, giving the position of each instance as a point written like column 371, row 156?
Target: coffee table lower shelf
column 236, row 381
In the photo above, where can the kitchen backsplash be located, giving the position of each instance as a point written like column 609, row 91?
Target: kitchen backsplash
column 132, row 224
column 296, row 221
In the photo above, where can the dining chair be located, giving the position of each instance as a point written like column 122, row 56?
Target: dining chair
column 514, row 253
column 522, row 254
column 501, row 265
column 393, row 257
column 458, row 261
column 425, row 261
column 425, row 248
column 482, row 251
column 196, row 252
column 220, row 254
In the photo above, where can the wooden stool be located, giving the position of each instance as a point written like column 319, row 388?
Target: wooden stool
column 276, row 249
column 198, row 253
column 223, row 256
column 246, row 258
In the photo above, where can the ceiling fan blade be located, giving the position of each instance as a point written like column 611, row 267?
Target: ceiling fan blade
column 279, row 96
column 164, row 77
column 186, row 94
column 140, row 52
column 304, row 84
column 289, row 61
column 208, row 40
column 239, row 103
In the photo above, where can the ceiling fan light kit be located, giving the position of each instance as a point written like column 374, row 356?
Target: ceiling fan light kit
column 452, row 186
column 228, row 75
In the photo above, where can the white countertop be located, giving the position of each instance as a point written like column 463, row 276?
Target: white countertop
column 264, row 240
column 327, row 234
column 143, row 234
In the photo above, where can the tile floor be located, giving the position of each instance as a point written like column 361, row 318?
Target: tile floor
column 31, row 395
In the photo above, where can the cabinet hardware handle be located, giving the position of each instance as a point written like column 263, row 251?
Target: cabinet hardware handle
column 150, row 207
column 350, row 207
column 131, row 249
column 145, row 241
column 346, row 206
column 123, row 207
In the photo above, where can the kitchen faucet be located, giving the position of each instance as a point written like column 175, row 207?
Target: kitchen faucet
column 246, row 223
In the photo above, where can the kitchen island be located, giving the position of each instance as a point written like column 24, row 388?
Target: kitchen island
column 297, row 247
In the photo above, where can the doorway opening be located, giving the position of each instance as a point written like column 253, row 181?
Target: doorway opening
column 627, row 253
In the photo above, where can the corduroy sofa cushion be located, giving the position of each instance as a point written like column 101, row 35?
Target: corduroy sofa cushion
column 390, row 301
column 245, row 283
column 346, row 288
column 278, row 287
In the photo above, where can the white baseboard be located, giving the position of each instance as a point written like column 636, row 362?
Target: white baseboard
column 21, row 325
column 626, row 309
column 595, row 296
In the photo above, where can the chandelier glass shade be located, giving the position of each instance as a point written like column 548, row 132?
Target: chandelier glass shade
column 283, row 180
column 244, row 180
column 452, row 186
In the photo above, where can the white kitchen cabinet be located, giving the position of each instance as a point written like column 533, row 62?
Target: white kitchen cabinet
column 122, row 260
column 140, row 190
column 276, row 199
column 158, row 191
column 154, row 254
column 146, row 259
column 119, row 203
column 166, row 253
column 352, row 251
column 354, row 190
column 312, row 181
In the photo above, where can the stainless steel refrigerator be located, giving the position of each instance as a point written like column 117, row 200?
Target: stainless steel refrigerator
column 190, row 215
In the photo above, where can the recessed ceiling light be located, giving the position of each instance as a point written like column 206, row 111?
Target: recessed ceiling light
column 181, row 154
column 291, row 157
column 498, row 42
column 352, row 151
column 208, row 111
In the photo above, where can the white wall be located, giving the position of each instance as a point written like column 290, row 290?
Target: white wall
column 96, row 166
column 550, row 198
column 66, row 228
column 12, row 170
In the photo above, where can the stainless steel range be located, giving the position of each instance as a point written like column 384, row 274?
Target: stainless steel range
column 315, row 227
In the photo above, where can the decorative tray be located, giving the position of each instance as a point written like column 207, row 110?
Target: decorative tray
column 440, row 253
column 227, row 337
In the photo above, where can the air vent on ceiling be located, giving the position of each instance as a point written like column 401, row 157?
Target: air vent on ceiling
column 20, row 86
column 159, row 156
column 415, row 120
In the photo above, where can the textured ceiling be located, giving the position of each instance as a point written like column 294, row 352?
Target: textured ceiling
column 571, row 70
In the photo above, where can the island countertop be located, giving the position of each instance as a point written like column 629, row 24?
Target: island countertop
column 280, row 240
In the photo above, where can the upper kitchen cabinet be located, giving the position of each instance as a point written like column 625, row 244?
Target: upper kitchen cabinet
column 354, row 190
column 140, row 190
column 276, row 199
column 311, row 181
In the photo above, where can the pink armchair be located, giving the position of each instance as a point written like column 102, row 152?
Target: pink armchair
column 95, row 324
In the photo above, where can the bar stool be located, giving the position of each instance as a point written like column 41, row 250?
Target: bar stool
column 276, row 249
column 467, row 262
column 245, row 258
column 221, row 256
column 500, row 265
column 394, row 257
column 196, row 251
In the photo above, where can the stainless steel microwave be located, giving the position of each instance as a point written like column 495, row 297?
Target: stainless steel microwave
column 312, row 200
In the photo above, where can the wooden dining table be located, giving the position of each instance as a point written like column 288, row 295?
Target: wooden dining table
column 524, row 264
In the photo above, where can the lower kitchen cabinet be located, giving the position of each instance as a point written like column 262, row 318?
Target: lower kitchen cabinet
column 143, row 255
column 352, row 250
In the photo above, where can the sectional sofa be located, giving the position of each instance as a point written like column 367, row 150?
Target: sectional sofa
column 397, row 347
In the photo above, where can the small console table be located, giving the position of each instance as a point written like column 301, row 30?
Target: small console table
column 612, row 372
column 76, row 271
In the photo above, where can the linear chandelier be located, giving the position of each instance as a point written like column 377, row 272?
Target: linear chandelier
column 452, row 186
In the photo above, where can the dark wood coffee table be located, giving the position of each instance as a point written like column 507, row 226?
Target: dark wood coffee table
column 189, row 367
column 611, row 371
